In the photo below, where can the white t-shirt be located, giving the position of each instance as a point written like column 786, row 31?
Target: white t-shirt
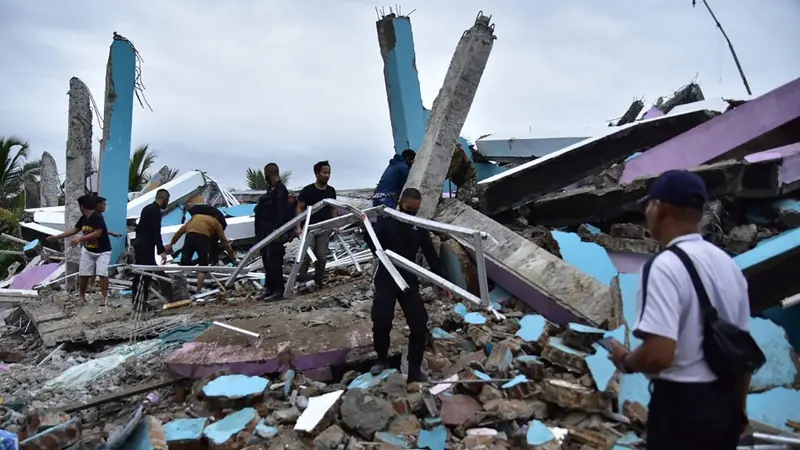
column 672, row 309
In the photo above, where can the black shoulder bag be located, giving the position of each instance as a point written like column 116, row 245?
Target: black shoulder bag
column 729, row 351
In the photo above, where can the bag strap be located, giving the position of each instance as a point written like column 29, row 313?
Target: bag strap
column 645, row 277
column 708, row 310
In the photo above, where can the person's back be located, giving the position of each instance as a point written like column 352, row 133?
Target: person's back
column 727, row 290
column 208, row 210
column 205, row 225
column 394, row 177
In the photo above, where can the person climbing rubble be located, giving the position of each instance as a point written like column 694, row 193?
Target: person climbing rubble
column 405, row 240
column 199, row 231
column 96, row 251
column 314, row 193
column 393, row 179
column 271, row 212
column 194, row 208
column 148, row 243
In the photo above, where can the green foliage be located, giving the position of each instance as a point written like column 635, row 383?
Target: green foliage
column 142, row 160
column 15, row 169
column 254, row 178
column 9, row 224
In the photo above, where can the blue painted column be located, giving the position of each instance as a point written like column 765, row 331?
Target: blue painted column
column 115, row 149
column 402, row 82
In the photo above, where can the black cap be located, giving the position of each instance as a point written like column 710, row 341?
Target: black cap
column 679, row 188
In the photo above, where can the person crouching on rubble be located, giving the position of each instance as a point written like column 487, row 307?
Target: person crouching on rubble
column 387, row 191
column 406, row 240
column 195, row 206
column 199, row 231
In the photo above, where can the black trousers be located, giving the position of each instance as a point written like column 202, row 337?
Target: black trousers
column 143, row 254
column 272, row 256
column 195, row 243
column 694, row 416
column 213, row 252
column 383, row 302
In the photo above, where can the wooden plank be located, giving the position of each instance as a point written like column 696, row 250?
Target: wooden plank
column 114, row 396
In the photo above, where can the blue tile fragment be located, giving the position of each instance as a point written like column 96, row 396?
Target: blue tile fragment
column 600, row 367
column 235, row 386
column 439, row 333
column 585, row 329
column 531, row 327
column 220, row 432
column 775, row 407
column 519, row 379
column 460, row 309
column 395, row 440
column 481, row 375
column 369, row 381
column 539, row 434
column 780, row 368
column 265, row 431
column 434, row 439
column 475, row 318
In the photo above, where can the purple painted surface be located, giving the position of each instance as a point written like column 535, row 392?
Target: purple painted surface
column 627, row 262
column 531, row 296
column 653, row 112
column 198, row 359
column 790, row 168
column 32, row 276
column 719, row 135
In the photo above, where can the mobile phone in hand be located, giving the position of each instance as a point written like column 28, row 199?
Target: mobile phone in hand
column 607, row 343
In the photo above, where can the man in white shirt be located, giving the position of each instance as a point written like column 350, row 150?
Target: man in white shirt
column 689, row 407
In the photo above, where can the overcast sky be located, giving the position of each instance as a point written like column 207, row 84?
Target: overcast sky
column 236, row 84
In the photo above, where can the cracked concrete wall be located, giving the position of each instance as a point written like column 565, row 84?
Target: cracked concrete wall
column 449, row 112
column 50, row 189
column 79, row 137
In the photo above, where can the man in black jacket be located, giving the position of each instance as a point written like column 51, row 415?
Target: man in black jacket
column 405, row 240
column 148, row 242
column 271, row 213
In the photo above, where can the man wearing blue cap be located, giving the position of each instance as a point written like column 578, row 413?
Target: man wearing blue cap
column 690, row 406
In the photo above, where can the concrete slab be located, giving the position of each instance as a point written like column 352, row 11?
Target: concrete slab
column 768, row 121
column 552, row 287
column 522, row 147
column 771, row 270
column 303, row 340
column 522, row 184
column 449, row 112
column 759, row 178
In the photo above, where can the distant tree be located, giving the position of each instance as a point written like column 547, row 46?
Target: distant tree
column 171, row 175
column 15, row 169
column 142, row 160
column 254, row 178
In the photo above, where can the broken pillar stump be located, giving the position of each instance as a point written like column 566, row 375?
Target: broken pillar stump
column 565, row 357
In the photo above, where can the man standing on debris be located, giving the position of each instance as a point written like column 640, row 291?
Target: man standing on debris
column 199, row 231
column 96, row 252
column 311, row 194
column 690, row 406
column 193, row 208
column 405, row 240
column 393, row 179
column 271, row 212
column 148, row 243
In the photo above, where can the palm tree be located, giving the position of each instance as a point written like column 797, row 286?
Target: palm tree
column 171, row 174
column 16, row 169
column 142, row 160
column 255, row 180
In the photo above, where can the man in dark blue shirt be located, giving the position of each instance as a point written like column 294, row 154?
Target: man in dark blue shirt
column 393, row 179
column 405, row 240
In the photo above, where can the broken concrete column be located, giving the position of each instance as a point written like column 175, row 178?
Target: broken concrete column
column 449, row 112
column 50, row 185
column 632, row 113
column 115, row 148
column 79, row 136
column 552, row 287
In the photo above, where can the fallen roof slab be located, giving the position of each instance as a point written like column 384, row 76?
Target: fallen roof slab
column 756, row 177
column 771, row 270
column 768, row 121
column 528, row 181
column 511, row 148
column 305, row 340
column 552, row 287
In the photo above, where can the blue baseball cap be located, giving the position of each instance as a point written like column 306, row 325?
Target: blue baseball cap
column 679, row 188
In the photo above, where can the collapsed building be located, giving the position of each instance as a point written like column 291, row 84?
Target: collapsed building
column 542, row 245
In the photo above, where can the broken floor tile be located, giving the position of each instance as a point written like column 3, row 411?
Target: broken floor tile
column 531, row 327
column 475, row 318
column 369, row 381
column 233, row 431
column 581, row 336
column 601, row 368
column 515, row 381
column 394, row 440
column 317, row 408
column 434, row 439
column 265, row 431
column 185, row 434
column 781, row 368
column 540, row 436
column 234, row 391
column 458, row 409
column 560, row 354
column 775, row 407
column 460, row 309
column 439, row 333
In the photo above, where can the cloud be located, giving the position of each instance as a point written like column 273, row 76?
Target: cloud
column 237, row 84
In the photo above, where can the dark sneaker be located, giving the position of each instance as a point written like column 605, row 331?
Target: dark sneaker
column 379, row 367
column 417, row 376
column 273, row 297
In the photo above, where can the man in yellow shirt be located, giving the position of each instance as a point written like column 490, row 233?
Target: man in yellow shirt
column 200, row 230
